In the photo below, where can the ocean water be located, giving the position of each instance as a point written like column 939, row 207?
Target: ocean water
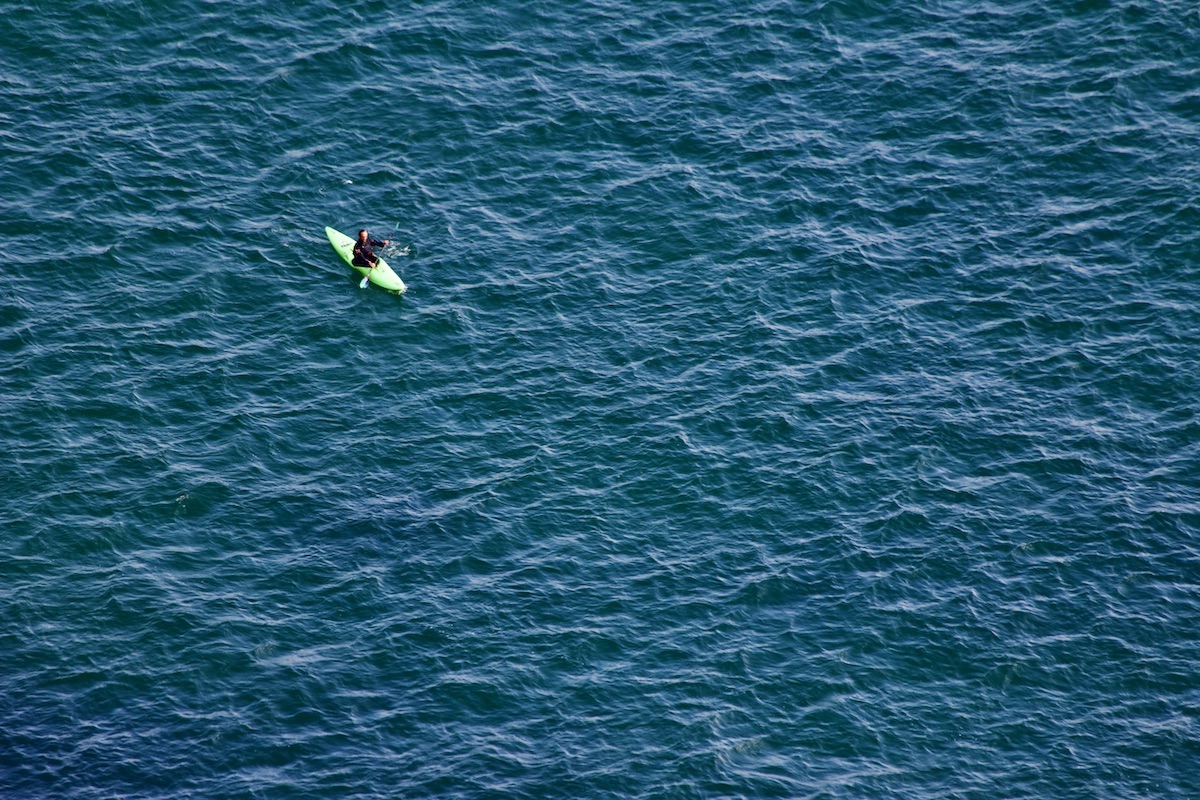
column 791, row 399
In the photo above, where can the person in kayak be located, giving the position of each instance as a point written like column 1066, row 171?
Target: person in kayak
column 364, row 255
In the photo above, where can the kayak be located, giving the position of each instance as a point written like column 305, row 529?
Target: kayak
column 381, row 276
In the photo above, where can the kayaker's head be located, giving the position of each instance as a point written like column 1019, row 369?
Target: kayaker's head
column 362, row 235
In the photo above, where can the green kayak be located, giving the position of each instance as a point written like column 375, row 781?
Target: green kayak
column 381, row 276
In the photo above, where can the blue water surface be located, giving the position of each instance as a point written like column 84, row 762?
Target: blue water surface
column 790, row 399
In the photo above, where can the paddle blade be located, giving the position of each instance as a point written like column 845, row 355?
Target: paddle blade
column 363, row 283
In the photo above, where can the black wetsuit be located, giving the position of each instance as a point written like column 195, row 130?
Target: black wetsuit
column 364, row 256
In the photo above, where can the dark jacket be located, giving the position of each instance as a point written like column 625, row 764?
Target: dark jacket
column 364, row 256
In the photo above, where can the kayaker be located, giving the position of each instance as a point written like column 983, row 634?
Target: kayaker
column 364, row 256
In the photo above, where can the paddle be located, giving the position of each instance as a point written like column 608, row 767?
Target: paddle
column 366, row 278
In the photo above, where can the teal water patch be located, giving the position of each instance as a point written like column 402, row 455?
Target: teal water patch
column 787, row 401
